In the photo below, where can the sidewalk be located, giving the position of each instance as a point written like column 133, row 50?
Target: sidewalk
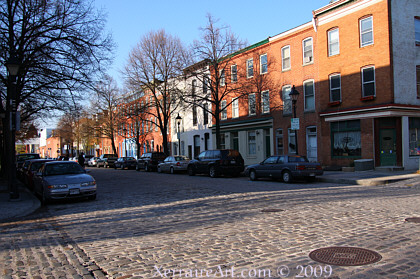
column 28, row 203
column 11, row 210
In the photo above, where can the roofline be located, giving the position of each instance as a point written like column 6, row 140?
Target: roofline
column 330, row 7
column 290, row 31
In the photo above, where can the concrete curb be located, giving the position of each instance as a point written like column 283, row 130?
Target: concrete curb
column 368, row 181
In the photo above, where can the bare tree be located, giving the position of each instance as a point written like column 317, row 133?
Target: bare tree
column 216, row 48
column 154, row 68
column 105, row 103
column 60, row 46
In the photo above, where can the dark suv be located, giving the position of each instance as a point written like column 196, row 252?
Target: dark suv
column 149, row 161
column 217, row 162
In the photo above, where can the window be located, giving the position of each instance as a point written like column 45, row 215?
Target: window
column 368, row 82
column 252, row 106
column 285, row 58
column 205, row 114
column 205, row 84
column 263, row 64
column 223, row 110
column 366, row 31
column 346, row 139
column 252, row 143
column 194, row 114
column 333, row 42
column 279, row 139
column 307, row 51
column 417, row 30
column 418, row 80
column 235, row 108
column 233, row 73
column 414, row 130
column 222, row 77
column 222, row 141
column 249, row 68
column 292, row 141
column 287, row 102
column 265, row 102
column 335, row 88
column 309, row 93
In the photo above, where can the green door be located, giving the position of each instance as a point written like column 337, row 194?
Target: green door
column 388, row 147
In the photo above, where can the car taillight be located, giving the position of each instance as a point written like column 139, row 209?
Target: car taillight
column 318, row 167
column 178, row 164
column 300, row 167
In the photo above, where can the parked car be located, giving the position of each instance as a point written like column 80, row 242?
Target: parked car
column 21, row 158
column 125, row 162
column 286, row 167
column 217, row 162
column 149, row 161
column 87, row 158
column 63, row 180
column 92, row 161
column 33, row 166
column 106, row 160
column 174, row 164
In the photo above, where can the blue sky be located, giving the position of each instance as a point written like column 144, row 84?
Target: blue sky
column 253, row 21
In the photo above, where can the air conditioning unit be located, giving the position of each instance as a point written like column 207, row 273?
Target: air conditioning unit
column 307, row 59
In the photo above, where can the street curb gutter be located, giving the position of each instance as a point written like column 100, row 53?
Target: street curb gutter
column 369, row 181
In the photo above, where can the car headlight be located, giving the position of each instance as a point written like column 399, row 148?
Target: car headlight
column 91, row 183
column 58, row 186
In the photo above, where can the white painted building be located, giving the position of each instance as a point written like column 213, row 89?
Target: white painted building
column 194, row 134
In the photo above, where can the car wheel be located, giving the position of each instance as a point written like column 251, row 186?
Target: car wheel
column 253, row 175
column 212, row 172
column 191, row 171
column 287, row 176
column 159, row 170
column 172, row 170
column 146, row 168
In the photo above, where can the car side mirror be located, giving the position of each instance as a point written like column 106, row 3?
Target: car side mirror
column 262, row 163
column 197, row 158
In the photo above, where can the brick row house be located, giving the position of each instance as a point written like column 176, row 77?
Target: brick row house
column 356, row 66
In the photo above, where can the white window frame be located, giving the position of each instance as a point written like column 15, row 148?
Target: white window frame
column 222, row 76
column 305, row 96
column 254, row 105
column 334, row 88
column 363, row 32
column 265, row 101
column 262, row 65
column 286, row 97
column 366, row 82
column 249, row 66
column 252, row 151
column 417, row 30
column 331, row 43
column 235, row 108
column 311, row 57
column 223, row 110
column 234, row 74
column 286, row 58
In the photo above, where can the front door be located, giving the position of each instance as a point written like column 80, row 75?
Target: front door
column 311, row 147
column 388, row 147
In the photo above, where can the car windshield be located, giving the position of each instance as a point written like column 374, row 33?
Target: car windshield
column 23, row 157
column 297, row 159
column 36, row 165
column 61, row 169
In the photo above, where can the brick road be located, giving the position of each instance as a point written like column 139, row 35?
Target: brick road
column 146, row 224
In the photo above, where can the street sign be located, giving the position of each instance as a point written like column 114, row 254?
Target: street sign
column 295, row 123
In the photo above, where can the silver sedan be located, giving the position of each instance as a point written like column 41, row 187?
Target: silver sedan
column 62, row 180
column 174, row 164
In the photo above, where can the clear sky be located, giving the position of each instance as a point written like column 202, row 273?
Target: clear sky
column 252, row 21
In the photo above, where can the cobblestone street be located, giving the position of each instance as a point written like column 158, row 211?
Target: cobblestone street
column 149, row 225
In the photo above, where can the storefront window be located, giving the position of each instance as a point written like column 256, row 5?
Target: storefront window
column 414, row 127
column 346, row 139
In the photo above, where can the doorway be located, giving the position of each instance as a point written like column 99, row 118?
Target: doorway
column 312, row 146
column 388, row 147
